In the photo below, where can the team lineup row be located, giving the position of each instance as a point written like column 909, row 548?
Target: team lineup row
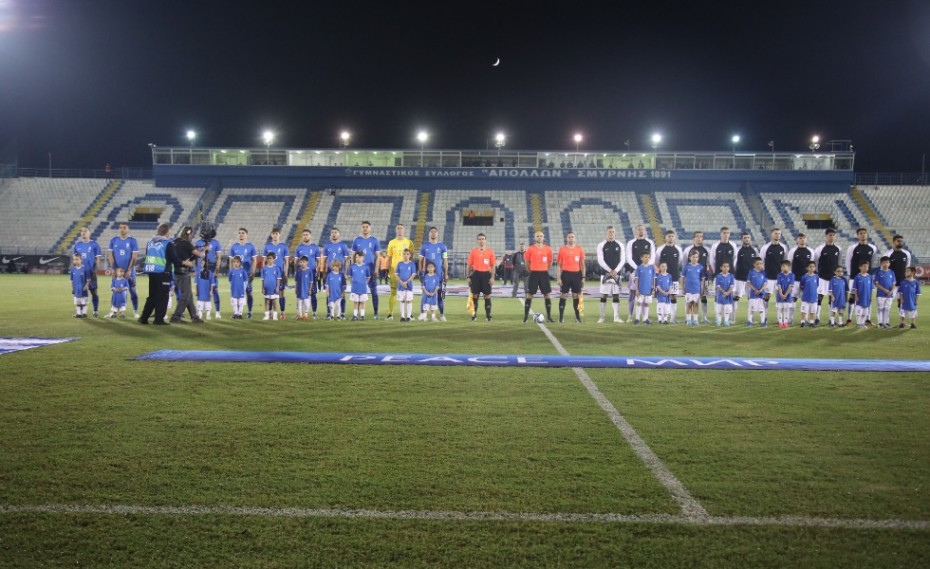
column 358, row 265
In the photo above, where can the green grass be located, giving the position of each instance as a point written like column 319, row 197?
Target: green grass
column 83, row 423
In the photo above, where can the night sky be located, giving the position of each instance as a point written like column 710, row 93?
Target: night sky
column 94, row 81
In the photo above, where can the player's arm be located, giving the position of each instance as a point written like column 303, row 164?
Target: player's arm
column 712, row 258
column 627, row 256
column 492, row 264
column 849, row 256
column 445, row 266
column 111, row 260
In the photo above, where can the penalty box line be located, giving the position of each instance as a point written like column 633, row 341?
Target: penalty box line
column 690, row 507
column 453, row 516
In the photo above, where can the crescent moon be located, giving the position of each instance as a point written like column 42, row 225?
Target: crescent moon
column 496, row 63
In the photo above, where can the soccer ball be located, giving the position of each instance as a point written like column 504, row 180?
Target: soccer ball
column 539, row 318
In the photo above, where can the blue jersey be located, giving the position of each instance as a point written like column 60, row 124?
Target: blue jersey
column 271, row 279
column 431, row 285
column 122, row 250
column 909, row 289
column 809, row 284
column 78, row 280
column 281, row 253
column 886, row 279
column 370, row 247
column 863, row 285
column 434, row 253
column 89, row 252
column 838, row 290
column 238, row 278
column 645, row 279
column 725, row 282
column 204, row 288
column 360, row 275
column 335, row 251
column 694, row 277
column 302, row 281
column 246, row 253
column 663, row 282
column 783, row 285
column 119, row 288
column 311, row 252
column 404, row 271
column 334, row 284
column 758, row 281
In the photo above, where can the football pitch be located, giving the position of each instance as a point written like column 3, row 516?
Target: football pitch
column 106, row 460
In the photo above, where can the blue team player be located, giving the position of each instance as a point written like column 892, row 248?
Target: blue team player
column 312, row 252
column 758, row 285
column 304, row 281
column 335, row 250
column 406, row 271
column 124, row 251
column 663, row 294
column 119, row 286
column 335, row 290
column 434, row 251
column 282, row 258
column 861, row 289
column 271, row 286
column 79, row 284
column 247, row 254
column 370, row 247
column 214, row 261
column 909, row 290
column 238, row 282
column 784, row 300
column 645, row 285
column 724, row 284
column 838, row 295
column 810, row 281
column 89, row 251
column 885, row 283
column 432, row 283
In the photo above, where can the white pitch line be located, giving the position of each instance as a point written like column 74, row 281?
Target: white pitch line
column 440, row 515
column 690, row 507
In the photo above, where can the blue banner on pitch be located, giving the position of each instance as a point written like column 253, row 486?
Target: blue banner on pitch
column 10, row 345
column 629, row 362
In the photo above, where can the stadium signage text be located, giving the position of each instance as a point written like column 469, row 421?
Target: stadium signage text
column 503, row 360
column 507, row 173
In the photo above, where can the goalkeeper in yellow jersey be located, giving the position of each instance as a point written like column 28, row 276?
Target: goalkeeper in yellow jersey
column 395, row 254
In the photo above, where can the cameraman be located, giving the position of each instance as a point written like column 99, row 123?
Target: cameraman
column 186, row 253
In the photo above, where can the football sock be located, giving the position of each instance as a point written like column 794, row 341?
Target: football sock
column 249, row 301
column 313, row 302
column 526, row 307
column 96, row 299
column 373, row 285
column 135, row 299
column 562, row 308
column 549, row 308
column 603, row 307
column 281, row 302
column 575, row 306
column 487, row 307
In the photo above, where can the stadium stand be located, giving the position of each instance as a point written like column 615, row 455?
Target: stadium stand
column 39, row 214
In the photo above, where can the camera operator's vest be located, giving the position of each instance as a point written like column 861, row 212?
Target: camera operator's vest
column 155, row 255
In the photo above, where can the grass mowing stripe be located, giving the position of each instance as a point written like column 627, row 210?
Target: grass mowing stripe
column 690, row 507
column 787, row 521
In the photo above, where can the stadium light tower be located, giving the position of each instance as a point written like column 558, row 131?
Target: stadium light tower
column 815, row 144
column 422, row 137
column 344, row 137
column 735, row 140
column 578, row 139
column 499, row 141
column 268, row 138
column 656, row 141
column 191, row 135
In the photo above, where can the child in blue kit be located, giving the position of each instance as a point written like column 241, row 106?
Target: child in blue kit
column 431, row 282
column 335, row 289
column 204, row 293
column 909, row 290
column 663, row 294
column 645, row 289
column 808, row 286
column 885, row 283
column 360, row 273
column 838, row 296
column 406, row 271
column 238, row 282
column 271, row 285
column 724, row 285
column 119, row 285
column 862, row 291
column 757, row 284
column 784, row 300
column 303, row 283
column 80, row 281
column 692, row 280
